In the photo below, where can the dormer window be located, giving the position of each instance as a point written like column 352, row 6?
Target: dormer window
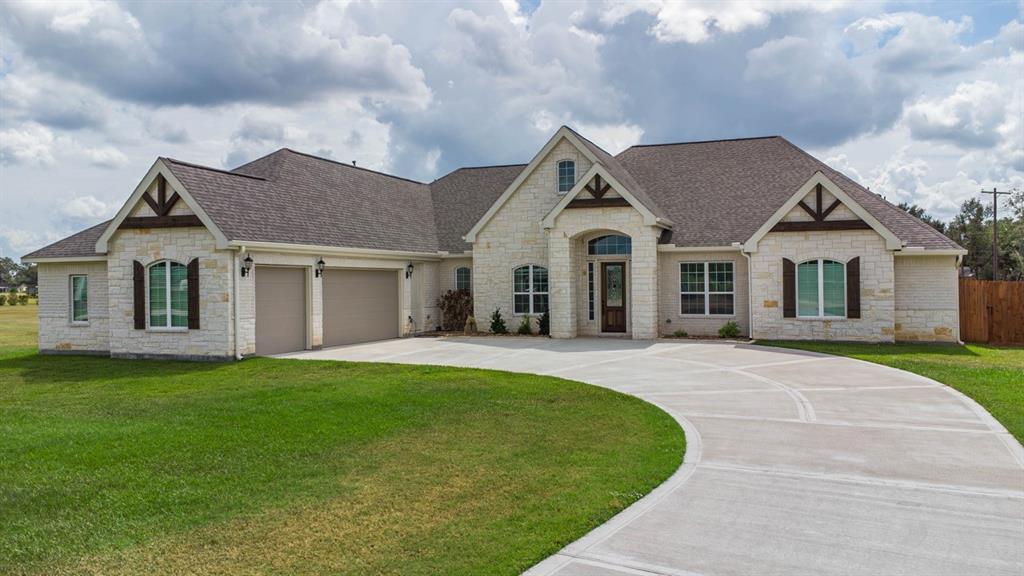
column 566, row 175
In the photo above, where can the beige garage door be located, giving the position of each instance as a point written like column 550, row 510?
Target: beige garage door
column 360, row 306
column 280, row 310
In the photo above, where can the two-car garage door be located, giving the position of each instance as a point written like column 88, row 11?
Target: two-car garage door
column 358, row 306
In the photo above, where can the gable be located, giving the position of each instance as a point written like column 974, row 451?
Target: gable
column 600, row 189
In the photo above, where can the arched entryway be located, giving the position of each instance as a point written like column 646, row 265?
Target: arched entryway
column 607, row 257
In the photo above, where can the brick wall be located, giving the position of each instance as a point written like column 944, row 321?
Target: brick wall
column 669, row 316
column 927, row 303
column 56, row 332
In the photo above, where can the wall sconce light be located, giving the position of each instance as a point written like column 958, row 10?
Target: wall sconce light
column 320, row 267
column 246, row 265
column 408, row 270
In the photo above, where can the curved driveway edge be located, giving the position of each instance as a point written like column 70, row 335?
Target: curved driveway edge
column 796, row 462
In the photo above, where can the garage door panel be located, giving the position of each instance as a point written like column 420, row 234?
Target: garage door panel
column 360, row 306
column 280, row 310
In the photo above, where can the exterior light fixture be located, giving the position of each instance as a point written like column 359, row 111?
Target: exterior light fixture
column 246, row 265
column 408, row 270
column 320, row 267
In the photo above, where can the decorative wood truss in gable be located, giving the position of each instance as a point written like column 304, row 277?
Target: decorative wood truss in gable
column 161, row 207
column 819, row 215
column 597, row 189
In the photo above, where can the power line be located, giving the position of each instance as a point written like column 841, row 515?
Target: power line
column 995, row 228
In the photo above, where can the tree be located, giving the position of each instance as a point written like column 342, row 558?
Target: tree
column 972, row 229
column 918, row 212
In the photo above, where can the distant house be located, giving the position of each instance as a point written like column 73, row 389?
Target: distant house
column 293, row 252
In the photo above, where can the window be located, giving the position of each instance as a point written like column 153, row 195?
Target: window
column 821, row 289
column 590, row 289
column 79, row 298
column 566, row 175
column 462, row 278
column 530, row 290
column 611, row 244
column 707, row 288
column 168, row 295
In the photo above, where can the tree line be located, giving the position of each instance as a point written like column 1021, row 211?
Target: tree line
column 14, row 274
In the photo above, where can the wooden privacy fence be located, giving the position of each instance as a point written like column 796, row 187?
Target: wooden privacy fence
column 992, row 311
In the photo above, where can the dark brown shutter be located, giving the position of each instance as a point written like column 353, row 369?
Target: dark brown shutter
column 139, row 294
column 853, row 288
column 193, row 294
column 788, row 288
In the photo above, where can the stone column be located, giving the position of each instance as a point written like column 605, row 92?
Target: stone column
column 644, row 282
column 561, row 287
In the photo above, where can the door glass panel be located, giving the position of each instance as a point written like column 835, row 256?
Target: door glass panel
column 613, row 289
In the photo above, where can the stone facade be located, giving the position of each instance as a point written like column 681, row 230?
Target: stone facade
column 876, row 276
column 57, row 333
column 927, row 302
column 669, row 315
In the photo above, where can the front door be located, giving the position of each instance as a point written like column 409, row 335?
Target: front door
column 613, row 296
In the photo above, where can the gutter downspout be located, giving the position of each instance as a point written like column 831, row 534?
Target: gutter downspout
column 750, row 291
column 234, row 291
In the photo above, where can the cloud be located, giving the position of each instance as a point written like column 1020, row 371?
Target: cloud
column 913, row 43
column 87, row 207
column 105, row 157
column 28, row 144
column 970, row 117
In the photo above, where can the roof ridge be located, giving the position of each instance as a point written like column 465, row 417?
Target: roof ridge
column 704, row 141
column 201, row 167
column 339, row 163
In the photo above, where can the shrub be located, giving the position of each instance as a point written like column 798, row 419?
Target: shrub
column 23, row 299
column 12, row 299
column 3, row 299
column 729, row 330
column 680, row 333
column 456, row 306
column 498, row 323
column 525, row 328
column 470, row 327
column 545, row 324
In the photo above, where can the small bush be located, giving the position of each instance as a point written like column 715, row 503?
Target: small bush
column 3, row 299
column 456, row 306
column 680, row 333
column 498, row 323
column 23, row 299
column 12, row 299
column 470, row 327
column 729, row 330
column 545, row 324
column 525, row 328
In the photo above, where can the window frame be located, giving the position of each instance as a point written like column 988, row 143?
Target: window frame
column 469, row 280
column 707, row 293
column 821, row 291
column 592, row 244
column 531, row 292
column 169, row 327
column 71, row 300
column 558, row 175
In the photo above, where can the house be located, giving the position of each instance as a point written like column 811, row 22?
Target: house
column 292, row 252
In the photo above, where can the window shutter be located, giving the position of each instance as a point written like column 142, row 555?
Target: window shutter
column 788, row 288
column 853, row 288
column 193, row 294
column 139, row 281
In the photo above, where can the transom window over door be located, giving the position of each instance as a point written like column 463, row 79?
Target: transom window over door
column 530, row 289
column 566, row 175
column 168, row 295
column 821, row 289
column 707, row 288
column 611, row 244
column 463, row 278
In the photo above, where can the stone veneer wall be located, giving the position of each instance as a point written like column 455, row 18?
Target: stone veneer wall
column 927, row 299
column 877, row 322
column 669, row 317
column 213, row 339
column 514, row 237
column 425, row 313
column 446, row 278
column 56, row 332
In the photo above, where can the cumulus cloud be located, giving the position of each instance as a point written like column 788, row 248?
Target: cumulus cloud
column 913, row 43
column 87, row 207
column 28, row 144
column 970, row 117
column 105, row 157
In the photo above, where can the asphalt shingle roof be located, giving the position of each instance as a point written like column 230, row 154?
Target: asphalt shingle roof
column 715, row 193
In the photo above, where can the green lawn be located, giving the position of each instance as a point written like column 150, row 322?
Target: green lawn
column 992, row 376
column 285, row 466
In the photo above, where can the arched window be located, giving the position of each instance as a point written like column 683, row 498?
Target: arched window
column 530, row 290
column 462, row 278
column 821, row 289
column 611, row 244
column 168, row 295
column 566, row 175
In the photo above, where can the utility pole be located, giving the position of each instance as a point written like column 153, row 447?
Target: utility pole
column 995, row 228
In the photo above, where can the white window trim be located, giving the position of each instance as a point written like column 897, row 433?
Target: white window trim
column 821, row 291
column 455, row 273
column 531, row 293
column 167, row 280
column 558, row 177
column 71, row 300
column 707, row 293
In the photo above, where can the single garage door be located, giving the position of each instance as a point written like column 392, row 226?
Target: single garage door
column 280, row 310
column 360, row 306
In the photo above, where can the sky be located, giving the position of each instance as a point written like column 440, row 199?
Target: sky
column 920, row 101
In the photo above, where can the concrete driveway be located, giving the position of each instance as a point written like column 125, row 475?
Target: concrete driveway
column 796, row 463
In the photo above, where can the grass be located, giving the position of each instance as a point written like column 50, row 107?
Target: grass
column 992, row 376
column 286, row 466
